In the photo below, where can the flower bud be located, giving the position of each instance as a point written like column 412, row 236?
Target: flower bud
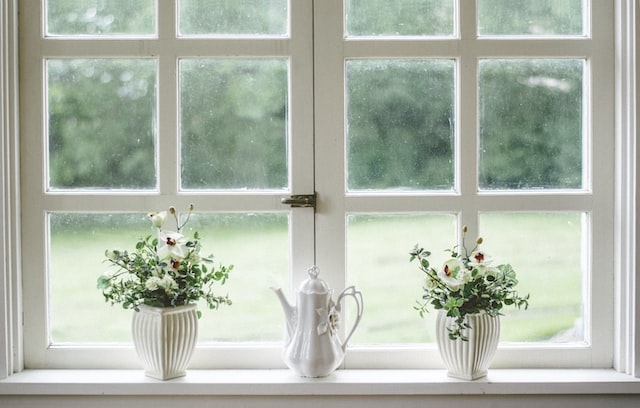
column 464, row 229
column 479, row 241
column 157, row 219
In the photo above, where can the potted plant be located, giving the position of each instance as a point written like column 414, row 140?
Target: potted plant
column 469, row 295
column 161, row 280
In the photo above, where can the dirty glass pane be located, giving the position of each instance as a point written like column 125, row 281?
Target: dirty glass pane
column 400, row 17
column 551, row 270
column 101, row 123
column 76, row 251
column 400, row 124
column 531, row 17
column 233, row 17
column 258, row 246
column 100, row 17
column 378, row 265
column 531, row 116
column 233, row 123
column 77, row 245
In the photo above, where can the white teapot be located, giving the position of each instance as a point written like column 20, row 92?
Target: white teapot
column 313, row 347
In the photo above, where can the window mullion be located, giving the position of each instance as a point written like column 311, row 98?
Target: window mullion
column 467, row 140
column 300, row 136
column 167, row 137
column 329, row 62
column 167, row 144
column 467, row 19
column 599, row 122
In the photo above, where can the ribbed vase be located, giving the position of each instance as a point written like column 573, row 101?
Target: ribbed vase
column 468, row 360
column 164, row 338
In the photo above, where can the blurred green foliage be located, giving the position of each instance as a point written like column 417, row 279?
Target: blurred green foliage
column 233, row 123
column 530, row 123
column 402, row 121
column 401, row 116
column 102, row 123
column 100, row 17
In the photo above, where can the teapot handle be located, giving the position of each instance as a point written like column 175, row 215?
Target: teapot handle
column 357, row 296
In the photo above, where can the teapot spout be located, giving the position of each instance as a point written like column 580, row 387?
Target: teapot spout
column 289, row 312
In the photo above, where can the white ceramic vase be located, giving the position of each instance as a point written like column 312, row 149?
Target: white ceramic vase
column 468, row 360
column 164, row 338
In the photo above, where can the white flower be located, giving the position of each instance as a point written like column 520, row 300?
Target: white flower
column 329, row 322
column 168, row 284
column 453, row 274
column 430, row 283
column 158, row 218
column 479, row 258
column 153, row 283
column 128, row 277
column 171, row 245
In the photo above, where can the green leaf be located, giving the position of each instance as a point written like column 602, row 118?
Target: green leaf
column 104, row 282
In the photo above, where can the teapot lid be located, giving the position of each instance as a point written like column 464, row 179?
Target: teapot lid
column 314, row 284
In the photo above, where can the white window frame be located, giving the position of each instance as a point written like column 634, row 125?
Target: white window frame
column 626, row 347
column 167, row 48
column 332, row 49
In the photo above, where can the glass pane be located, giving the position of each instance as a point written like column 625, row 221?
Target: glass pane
column 400, row 124
column 531, row 17
column 378, row 265
column 258, row 247
column 531, row 124
column 400, row 17
column 101, row 18
column 102, row 127
column 546, row 252
column 78, row 244
column 233, row 123
column 233, row 17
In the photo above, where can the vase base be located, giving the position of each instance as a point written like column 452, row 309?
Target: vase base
column 164, row 376
column 467, row 377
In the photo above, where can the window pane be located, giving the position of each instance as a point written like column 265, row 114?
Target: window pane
column 258, row 247
column 101, row 18
column 531, row 124
column 400, row 17
column 378, row 265
column 527, row 17
column 77, row 246
column 101, row 116
column 400, row 124
column 233, row 17
column 545, row 250
column 78, row 243
column 233, row 123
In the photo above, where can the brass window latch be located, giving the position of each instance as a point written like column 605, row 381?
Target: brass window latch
column 300, row 200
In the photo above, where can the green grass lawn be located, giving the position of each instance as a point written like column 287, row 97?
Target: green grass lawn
column 543, row 248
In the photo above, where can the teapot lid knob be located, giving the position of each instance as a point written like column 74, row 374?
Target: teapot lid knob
column 314, row 284
column 314, row 271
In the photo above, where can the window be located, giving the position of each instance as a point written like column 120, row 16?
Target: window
column 406, row 126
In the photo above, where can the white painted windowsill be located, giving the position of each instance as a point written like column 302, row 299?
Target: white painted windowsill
column 342, row 382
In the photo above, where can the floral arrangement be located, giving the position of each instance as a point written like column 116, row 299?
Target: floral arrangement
column 163, row 271
column 467, row 284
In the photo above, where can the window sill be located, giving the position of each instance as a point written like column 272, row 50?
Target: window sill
column 341, row 383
